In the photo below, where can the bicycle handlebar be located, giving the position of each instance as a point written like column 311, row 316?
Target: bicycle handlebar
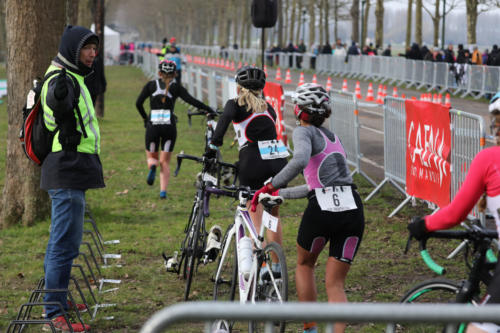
column 210, row 116
column 474, row 233
column 202, row 159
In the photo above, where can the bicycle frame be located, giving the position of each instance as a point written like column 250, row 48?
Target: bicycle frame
column 243, row 222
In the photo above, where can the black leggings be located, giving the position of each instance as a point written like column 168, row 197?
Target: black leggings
column 344, row 230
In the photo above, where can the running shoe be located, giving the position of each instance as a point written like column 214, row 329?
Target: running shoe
column 163, row 194
column 61, row 325
column 151, row 175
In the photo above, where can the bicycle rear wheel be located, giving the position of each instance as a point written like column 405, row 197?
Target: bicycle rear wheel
column 194, row 250
column 271, row 288
column 429, row 291
column 227, row 267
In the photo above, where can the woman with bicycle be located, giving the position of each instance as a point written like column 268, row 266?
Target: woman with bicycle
column 334, row 212
column 161, row 131
column 482, row 182
column 254, row 122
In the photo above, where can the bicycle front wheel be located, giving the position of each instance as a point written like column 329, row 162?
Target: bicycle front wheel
column 227, row 268
column 193, row 254
column 429, row 291
column 272, row 286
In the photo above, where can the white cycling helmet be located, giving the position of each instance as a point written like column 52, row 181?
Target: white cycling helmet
column 311, row 98
column 494, row 106
column 167, row 66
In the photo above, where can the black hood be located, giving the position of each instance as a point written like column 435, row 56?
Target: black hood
column 72, row 41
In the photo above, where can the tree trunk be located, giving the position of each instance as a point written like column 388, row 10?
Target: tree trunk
column 364, row 30
column 472, row 14
column 355, row 20
column 408, row 23
column 72, row 12
column 99, row 30
column 321, row 31
column 280, row 23
column 312, row 22
column 300, row 21
column 22, row 200
column 379, row 20
column 435, row 22
column 3, row 43
column 418, row 22
column 326, row 17
column 335, row 19
column 292, row 21
column 85, row 13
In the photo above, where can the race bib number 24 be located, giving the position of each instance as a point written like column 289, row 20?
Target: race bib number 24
column 271, row 149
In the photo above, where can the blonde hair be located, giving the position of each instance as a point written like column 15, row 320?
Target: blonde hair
column 253, row 99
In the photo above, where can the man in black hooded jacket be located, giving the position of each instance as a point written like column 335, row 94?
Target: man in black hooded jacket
column 73, row 165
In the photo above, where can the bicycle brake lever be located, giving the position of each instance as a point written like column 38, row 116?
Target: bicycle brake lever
column 179, row 161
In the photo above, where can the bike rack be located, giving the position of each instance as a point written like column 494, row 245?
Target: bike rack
column 24, row 316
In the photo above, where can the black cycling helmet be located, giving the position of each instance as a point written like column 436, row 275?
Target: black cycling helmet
column 167, row 66
column 250, row 77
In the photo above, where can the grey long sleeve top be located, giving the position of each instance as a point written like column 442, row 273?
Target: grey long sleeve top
column 307, row 142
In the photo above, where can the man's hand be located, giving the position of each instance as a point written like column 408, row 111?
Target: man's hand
column 268, row 188
column 61, row 87
column 417, row 228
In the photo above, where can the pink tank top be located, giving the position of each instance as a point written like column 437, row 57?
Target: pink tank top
column 311, row 172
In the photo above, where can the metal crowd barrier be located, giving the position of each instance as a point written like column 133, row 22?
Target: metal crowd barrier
column 476, row 81
column 394, row 149
column 321, row 312
column 344, row 122
column 467, row 139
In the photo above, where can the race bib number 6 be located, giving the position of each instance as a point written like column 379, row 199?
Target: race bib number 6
column 271, row 149
column 336, row 198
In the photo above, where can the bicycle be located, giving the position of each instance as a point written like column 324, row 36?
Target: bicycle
column 480, row 261
column 252, row 287
column 192, row 249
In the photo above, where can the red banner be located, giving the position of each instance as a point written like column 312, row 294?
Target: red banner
column 274, row 96
column 428, row 144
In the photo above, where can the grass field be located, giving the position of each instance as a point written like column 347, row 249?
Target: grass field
column 130, row 210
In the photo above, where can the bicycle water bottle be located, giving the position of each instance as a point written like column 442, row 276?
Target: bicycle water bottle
column 245, row 251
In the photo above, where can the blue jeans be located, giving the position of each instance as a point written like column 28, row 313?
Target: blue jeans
column 66, row 230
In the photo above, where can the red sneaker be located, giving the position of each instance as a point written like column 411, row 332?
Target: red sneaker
column 61, row 325
column 80, row 307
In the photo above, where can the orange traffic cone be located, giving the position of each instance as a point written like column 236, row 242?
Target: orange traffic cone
column 288, row 77
column 228, row 65
column 369, row 94
column 232, row 66
column 440, row 98
column 380, row 95
column 239, row 64
column 357, row 91
column 315, row 79
column 395, row 92
column 384, row 92
column 344, row 86
column 447, row 102
column 413, row 98
column 301, row 79
column 403, row 96
column 278, row 75
column 435, row 98
column 329, row 84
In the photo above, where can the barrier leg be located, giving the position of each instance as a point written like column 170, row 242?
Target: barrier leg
column 394, row 212
column 379, row 186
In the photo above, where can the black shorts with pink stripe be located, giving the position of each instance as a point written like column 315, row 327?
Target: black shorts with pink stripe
column 344, row 230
